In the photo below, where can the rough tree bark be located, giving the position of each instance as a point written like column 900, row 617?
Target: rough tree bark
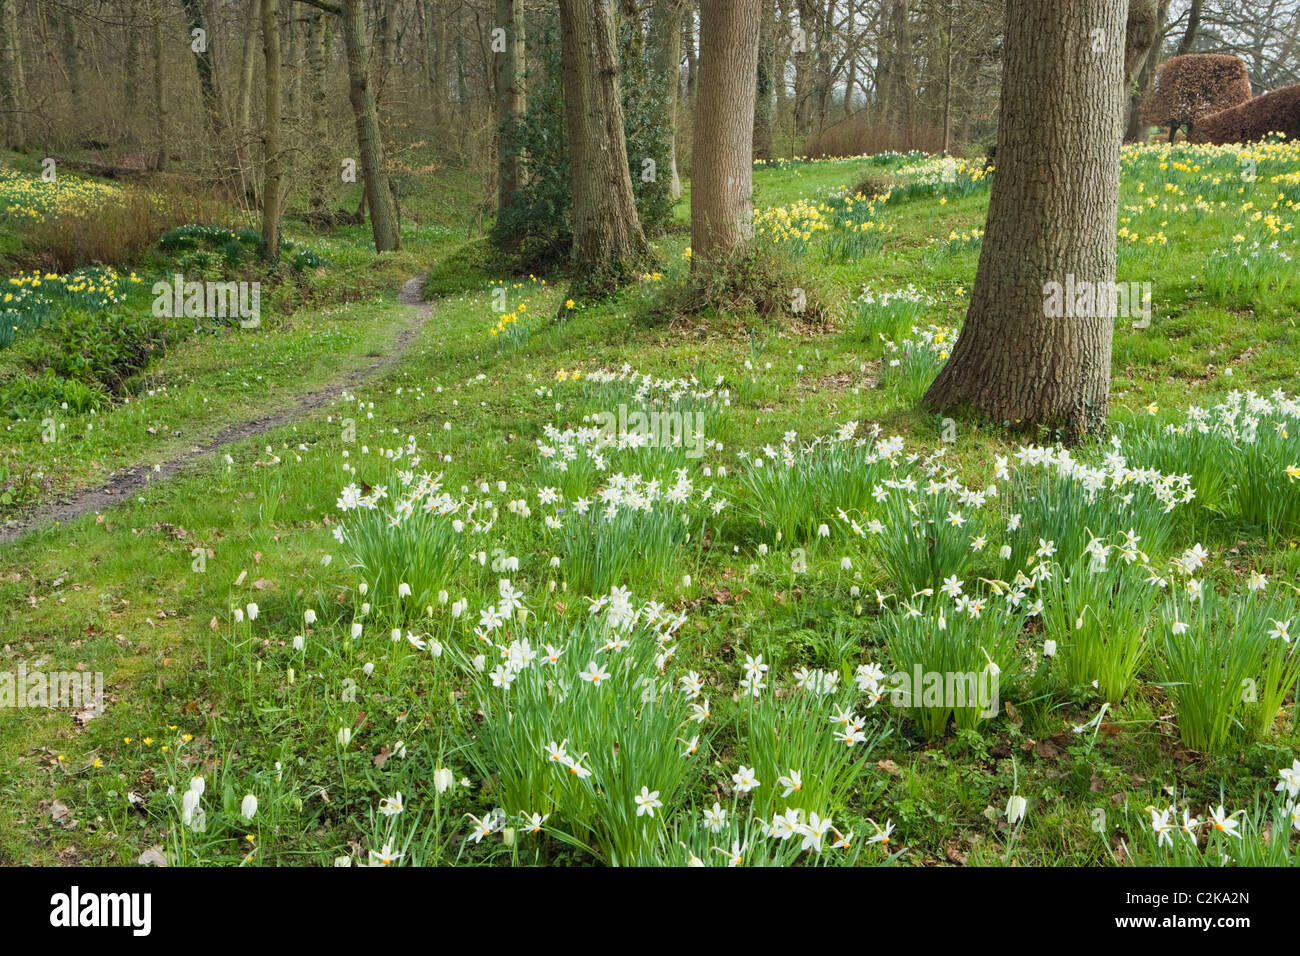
column 512, row 103
column 608, row 244
column 1134, row 129
column 1052, row 216
column 272, row 145
column 722, row 191
column 666, row 38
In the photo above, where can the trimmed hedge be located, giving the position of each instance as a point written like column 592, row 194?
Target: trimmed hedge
column 1275, row 112
column 1193, row 86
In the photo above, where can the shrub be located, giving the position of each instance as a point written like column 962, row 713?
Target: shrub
column 757, row 278
column 1275, row 112
column 117, row 233
column 30, row 396
column 1193, row 86
column 105, row 349
column 535, row 228
column 858, row 136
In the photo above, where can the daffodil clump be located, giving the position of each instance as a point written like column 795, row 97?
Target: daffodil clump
column 888, row 313
column 595, row 737
column 30, row 298
column 793, row 226
column 913, row 362
column 605, row 525
column 1249, row 189
column 1256, row 836
column 942, row 176
column 1240, row 455
column 511, row 328
column 31, row 199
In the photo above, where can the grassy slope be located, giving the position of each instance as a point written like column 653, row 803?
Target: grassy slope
column 118, row 594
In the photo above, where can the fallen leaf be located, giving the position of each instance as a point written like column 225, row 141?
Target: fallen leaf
column 152, row 857
column 60, row 814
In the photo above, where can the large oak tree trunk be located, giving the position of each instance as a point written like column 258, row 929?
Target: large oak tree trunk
column 608, row 244
column 722, row 190
column 1052, row 215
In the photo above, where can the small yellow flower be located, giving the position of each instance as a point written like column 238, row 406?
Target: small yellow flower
column 568, row 303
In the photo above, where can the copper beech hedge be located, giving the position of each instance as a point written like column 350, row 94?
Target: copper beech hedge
column 1193, row 86
column 1275, row 112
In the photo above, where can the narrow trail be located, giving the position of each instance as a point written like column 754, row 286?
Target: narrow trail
column 131, row 480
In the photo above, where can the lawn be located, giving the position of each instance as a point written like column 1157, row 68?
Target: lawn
column 453, row 616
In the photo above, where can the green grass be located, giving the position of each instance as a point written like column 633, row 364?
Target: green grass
column 124, row 592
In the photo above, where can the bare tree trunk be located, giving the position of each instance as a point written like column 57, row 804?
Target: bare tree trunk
column 851, row 55
column 379, row 194
column 159, row 86
column 825, row 26
column 692, row 59
column 666, row 37
column 132, row 91
column 947, row 80
column 1052, row 219
column 1193, row 27
column 441, row 104
column 722, row 205
column 244, row 103
column 208, row 85
column 273, row 146
column 803, row 80
column 387, row 77
column 767, row 77
column 608, row 244
column 511, row 99
column 1135, row 130
column 11, row 82
column 72, row 65
column 318, row 48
